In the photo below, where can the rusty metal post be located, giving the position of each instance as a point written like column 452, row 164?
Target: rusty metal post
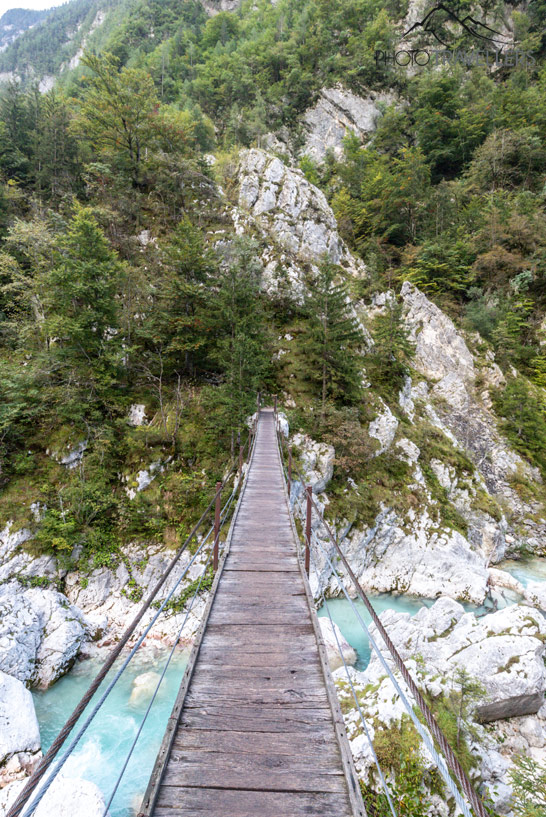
column 275, row 404
column 309, row 492
column 240, row 459
column 289, row 470
column 217, row 526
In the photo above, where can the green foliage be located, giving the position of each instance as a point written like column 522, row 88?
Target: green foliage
column 529, row 781
column 332, row 340
column 388, row 362
column 81, row 309
column 523, row 410
column 237, row 324
column 440, row 268
column 397, row 750
column 178, row 603
column 119, row 116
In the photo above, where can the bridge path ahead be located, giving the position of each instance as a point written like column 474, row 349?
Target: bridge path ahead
column 257, row 730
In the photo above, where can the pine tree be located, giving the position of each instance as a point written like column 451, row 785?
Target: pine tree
column 388, row 361
column 178, row 327
column 237, row 321
column 82, row 311
column 332, row 339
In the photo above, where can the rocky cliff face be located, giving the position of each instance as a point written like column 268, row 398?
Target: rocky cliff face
column 414, row 553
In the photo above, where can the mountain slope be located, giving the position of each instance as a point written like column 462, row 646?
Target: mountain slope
column 15, row 22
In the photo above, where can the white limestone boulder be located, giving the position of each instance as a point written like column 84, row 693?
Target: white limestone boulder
column 535, row 594
column 334, row 641
column 19, row 731
column 416, row 557
column 317, row 461
column 383, row 429
column 504, row 651
column 66, row 797
column 41, row 634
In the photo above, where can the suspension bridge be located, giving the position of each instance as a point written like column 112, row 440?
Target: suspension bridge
column 256, row 728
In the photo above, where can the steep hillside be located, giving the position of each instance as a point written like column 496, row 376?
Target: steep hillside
column 14, row 23
column 218, row 198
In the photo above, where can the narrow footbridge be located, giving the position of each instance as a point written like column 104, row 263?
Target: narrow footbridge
column 256, row 730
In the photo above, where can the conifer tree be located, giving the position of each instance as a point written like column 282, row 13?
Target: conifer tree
column 388, row 361
column 82, row 311
column 238, row 322
column 332, row 339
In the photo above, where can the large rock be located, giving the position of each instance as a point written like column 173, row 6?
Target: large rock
column 292, row 211
column 108, row 596
column 41, row 634
column 317, row 461
column 383, row 429
column 337, row 113
column 415, row 557
column 19, row 731
column 439, row 348
column 66, row 797
column 15, row 560
column 535, row 594
column 504, row 651
column 334, row 641
column 453, row 403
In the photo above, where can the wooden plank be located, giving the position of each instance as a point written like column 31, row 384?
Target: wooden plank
column 228, row 803
column 207, row 768
column 269, row 719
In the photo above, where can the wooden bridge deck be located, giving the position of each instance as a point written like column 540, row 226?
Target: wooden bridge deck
column 256, row 730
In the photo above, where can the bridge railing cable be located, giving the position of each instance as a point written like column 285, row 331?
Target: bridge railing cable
column 324, row 603
column 447, row 761
column 157, row 688
column 21, row 805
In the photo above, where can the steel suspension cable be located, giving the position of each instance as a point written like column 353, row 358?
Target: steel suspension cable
column 450, row 757
column 156, row 690
column 53, row 750
column 438, row 759
column 60, row 763
column 223, row 517
column 357, row 702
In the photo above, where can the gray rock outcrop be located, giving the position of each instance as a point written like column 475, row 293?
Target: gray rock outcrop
column 336, row 113
column 334, row 642
column 292, row 213
column 41, row 634
column 504, row 651
column 19, row 732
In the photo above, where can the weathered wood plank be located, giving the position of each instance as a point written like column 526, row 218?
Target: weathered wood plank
column 207, row 768
column 269, row 719
column 227, row 803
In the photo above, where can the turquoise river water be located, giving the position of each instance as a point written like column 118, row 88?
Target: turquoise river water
column 102, row 751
